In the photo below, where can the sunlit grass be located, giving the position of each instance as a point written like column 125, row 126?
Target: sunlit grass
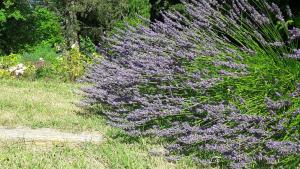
column 43, row 104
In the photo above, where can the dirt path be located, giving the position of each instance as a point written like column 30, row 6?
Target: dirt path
column 47, row 135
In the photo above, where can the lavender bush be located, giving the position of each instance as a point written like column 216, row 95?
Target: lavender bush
column 222, row 83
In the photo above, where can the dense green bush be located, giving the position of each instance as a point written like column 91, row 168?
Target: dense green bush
column 9, row 60
column 95, row 18
column 6, row 62
column 86, row 46
column 23, row 26
column 43, row 50
column 41, row 61
column 73, row 64
column 45, row 62
column 47, row 26
column 134, row 10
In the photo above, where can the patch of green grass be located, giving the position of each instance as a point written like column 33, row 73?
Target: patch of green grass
column 43, row 104
column 21, row 155
column 112, row 154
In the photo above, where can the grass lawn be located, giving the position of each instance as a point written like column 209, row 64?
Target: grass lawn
column 44, row 104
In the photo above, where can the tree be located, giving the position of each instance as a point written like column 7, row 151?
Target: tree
column 160, row 5
column 94, row 18
column 12, row 13
column 24, row 24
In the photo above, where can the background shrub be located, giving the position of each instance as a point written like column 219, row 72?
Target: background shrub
column 4, row 74
column 47, row 27
column 43, row 50
column 25, row 26
column 73, row 64
column 87, row 47
column 45, row 62
column 9, row 60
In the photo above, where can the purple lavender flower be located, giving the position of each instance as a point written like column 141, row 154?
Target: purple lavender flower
column 295, row 55
column 294, row 33
column 289, row 11
column 273, row 106
column 277, row 12
column 296, row 93
column 168, row 80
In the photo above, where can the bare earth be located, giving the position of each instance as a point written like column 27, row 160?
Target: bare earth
column 46, row 135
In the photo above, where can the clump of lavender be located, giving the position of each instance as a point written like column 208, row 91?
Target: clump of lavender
column 218, row 80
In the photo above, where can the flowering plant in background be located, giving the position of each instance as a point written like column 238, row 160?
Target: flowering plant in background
column 18, row 70
column 221, row 83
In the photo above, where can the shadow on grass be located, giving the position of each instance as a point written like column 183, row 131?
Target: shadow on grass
column 114, row 133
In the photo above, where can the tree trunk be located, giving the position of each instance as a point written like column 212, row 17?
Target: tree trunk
column 71, row 24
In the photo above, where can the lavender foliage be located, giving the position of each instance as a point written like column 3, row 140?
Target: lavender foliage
column 177, row 79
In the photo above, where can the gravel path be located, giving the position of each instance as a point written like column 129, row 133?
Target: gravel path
column 47, row 135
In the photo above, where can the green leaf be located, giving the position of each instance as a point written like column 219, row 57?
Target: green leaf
column 2, row 16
